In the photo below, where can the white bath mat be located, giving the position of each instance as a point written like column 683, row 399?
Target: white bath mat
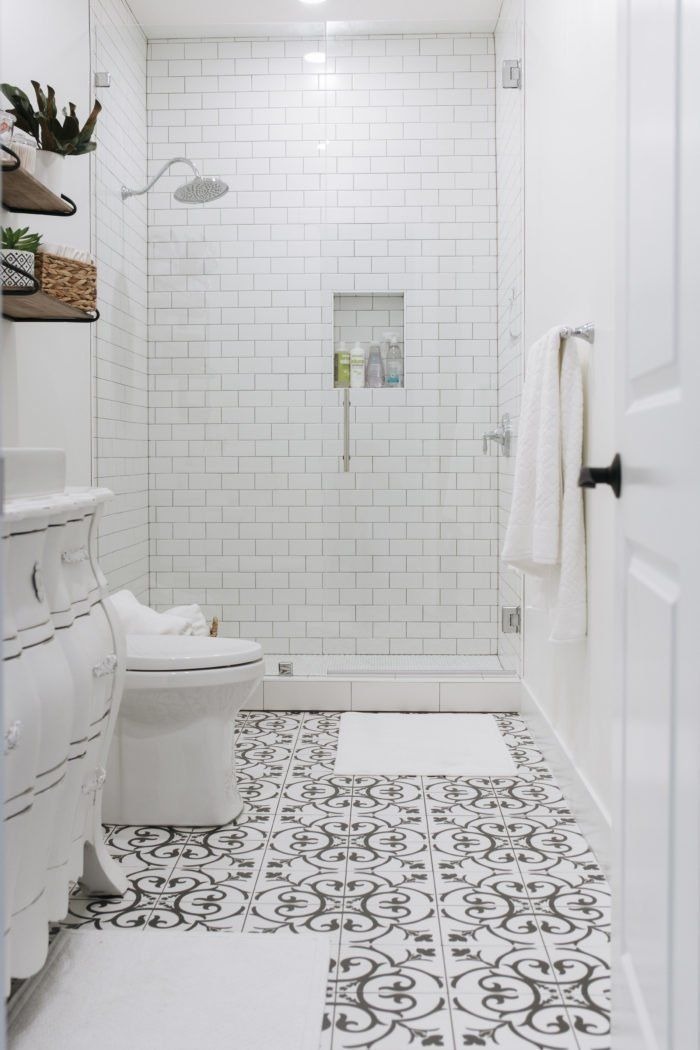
column 176, row 990
column 422, row 745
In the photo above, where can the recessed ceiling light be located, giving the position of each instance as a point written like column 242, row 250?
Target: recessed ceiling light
column 317, row 57
column 313, row 1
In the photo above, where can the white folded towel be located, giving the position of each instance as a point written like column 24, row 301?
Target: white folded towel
column 139, row 619
column 194, row 616
column 545, row 537
column 67, row 252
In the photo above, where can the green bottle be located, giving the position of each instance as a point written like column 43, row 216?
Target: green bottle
column 342, row 366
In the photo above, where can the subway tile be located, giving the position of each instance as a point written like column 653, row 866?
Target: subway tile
column 395, row 694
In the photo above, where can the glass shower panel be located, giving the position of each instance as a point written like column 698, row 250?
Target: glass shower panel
column 397, row 564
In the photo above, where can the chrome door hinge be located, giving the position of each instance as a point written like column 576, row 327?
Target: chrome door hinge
column 512, row 74
column 510, row 619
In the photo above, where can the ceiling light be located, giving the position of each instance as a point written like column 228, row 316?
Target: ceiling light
column 317, row 57
column 313, row 1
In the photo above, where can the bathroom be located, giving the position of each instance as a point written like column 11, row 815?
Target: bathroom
column 275, row 412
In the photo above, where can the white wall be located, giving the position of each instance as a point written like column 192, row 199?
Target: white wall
column 45, row 372
column 121, row 334
column 570, row 113
column 252, row 515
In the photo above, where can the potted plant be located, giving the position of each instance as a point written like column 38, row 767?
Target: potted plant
column 56, row 139
column 18, row 248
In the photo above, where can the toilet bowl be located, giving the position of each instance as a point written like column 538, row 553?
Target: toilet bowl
column 171, row 760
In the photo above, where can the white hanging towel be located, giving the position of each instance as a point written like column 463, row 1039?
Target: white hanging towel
column 545, row 536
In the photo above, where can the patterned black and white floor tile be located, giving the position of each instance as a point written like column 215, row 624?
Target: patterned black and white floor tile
column 462, row 912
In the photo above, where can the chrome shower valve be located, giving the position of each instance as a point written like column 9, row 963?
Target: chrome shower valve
column 502, row 435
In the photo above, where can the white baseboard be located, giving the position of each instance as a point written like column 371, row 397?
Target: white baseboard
column 586, row 806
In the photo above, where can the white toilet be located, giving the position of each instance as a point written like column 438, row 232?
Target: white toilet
column 172, row 761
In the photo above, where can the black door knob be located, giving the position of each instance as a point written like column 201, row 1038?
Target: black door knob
column 590, row 477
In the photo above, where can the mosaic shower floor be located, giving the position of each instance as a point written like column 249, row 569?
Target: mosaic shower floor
column 462, row 912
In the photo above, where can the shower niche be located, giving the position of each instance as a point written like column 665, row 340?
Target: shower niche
column 368, row 340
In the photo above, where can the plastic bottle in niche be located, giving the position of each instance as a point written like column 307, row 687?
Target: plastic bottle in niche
column 375, row 367
column 342, row 366
column 394, row 361
column 357, row 366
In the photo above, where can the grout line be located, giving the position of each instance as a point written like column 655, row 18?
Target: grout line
column 273, row 817
column 448, row 997
column 336, row 975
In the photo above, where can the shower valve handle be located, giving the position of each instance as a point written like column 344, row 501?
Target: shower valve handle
column 502, row 435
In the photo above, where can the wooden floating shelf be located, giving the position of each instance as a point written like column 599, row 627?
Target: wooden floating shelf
column 40, row 306
column 21, row 192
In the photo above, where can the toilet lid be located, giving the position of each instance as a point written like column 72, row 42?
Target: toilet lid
column 153, row 652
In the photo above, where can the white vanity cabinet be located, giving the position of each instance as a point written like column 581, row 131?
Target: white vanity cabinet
column 21, row 750
column 46, row 667
column 63, row 672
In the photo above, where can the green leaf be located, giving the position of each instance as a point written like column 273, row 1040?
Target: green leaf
column 89, row 125
column 71, row 125
column 22, row 109
column 20, row 240
column 63, row 136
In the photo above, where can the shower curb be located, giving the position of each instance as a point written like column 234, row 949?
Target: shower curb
column 474, row 693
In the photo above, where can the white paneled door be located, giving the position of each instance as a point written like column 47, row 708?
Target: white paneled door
column 657, row 932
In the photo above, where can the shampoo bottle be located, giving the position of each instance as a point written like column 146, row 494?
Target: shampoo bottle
column 357, row 366
column 342, row 366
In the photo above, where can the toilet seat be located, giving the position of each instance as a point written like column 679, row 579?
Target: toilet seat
column 148, row 652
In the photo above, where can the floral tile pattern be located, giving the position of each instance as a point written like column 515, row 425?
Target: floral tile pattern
column 462, row 912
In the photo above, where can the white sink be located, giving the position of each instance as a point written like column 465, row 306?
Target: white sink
column 33, row 472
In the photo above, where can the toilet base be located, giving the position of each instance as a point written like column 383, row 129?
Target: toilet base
column 172, row 758
column 214, row 814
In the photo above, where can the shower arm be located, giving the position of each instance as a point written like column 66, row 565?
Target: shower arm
column 168, row 164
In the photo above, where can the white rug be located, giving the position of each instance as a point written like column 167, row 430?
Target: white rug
column 422, row 745
column 107, row 990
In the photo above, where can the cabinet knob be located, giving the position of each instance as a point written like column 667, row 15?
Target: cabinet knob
column 13, row 734
column 94, row 781
column 106, row 666
column 75, row 556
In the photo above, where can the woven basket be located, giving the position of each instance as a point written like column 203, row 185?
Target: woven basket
column 74, row 283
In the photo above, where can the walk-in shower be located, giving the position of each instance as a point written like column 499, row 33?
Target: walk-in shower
column 351, row 530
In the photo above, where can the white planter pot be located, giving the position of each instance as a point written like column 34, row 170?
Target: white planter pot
column 24, row 261
column 49, row 170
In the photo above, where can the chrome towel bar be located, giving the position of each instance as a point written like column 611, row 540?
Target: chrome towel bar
column 584, row 331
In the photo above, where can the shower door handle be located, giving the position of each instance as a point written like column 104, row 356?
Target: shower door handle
column 346, row 431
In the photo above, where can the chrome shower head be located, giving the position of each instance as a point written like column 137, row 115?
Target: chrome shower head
column 200, row 190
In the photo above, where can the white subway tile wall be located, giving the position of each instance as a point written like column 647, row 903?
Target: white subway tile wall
column 367, row 317
column 509, row 139
column 120, row 344
column 375, row 174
